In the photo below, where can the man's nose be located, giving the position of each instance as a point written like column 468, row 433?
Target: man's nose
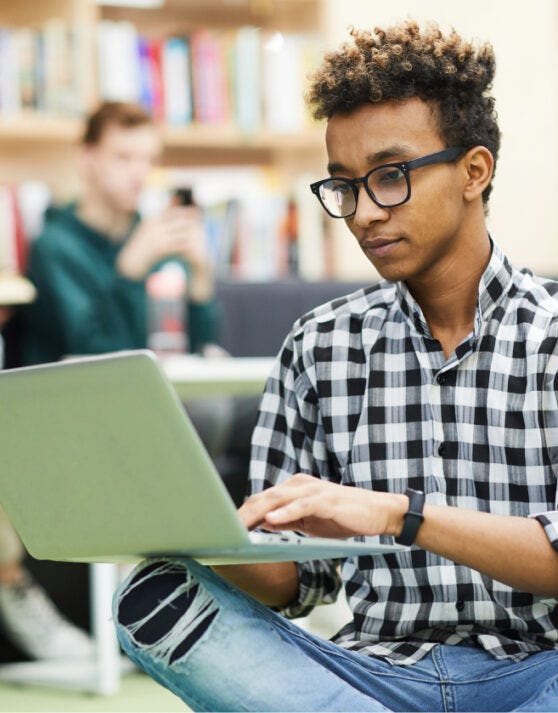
column 367, row 210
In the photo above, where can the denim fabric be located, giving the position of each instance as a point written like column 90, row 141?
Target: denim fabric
column 251, row 659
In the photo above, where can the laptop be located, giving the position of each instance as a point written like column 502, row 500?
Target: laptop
column 100, row 463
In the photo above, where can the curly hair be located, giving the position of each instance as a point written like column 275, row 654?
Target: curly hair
column 406, row 61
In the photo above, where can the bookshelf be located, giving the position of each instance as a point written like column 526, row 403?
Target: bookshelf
column 40, row 128
column 42, row 144
column 32, row 140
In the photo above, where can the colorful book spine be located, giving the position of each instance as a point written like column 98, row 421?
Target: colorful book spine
column 209, row 78
column 177, row 81
column 247, row 79
column 154, row 53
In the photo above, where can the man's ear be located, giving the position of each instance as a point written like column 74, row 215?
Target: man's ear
column 479, row 167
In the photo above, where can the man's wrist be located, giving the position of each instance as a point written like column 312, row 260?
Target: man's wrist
column 401, row 505
column 412, row 519
column 130, row 269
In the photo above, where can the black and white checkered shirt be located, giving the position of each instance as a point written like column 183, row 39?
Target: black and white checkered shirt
column 361, row 394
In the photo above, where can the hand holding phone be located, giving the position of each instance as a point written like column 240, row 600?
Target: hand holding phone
column 183, row 196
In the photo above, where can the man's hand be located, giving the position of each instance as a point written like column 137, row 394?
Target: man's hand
column 513, row 550
column 177, row 232
column 317, row 507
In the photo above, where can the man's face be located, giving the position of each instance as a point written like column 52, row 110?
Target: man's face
column 410, row 240
column 118, row 166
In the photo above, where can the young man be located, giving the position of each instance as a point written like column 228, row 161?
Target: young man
column 91, row 262
column 424, row 408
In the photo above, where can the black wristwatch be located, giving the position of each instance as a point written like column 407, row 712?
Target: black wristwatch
column 413, row 518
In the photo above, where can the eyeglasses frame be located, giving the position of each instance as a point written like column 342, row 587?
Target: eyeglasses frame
column 443, row 156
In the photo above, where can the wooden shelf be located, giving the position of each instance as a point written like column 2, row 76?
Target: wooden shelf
column 216, row 137
column 180, row 15
column 32, row 127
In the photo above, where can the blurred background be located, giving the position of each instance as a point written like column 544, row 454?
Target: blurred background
column 225, row 79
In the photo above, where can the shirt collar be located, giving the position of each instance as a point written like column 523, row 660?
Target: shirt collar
column 493, row 286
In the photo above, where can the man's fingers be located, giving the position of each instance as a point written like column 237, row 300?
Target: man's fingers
column 255, row 509
column 295, row 510
column 297, row 489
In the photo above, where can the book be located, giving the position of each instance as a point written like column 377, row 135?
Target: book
column 118, row 61
column 56, row 56
column 247, row 79
column 155, row 68
column 209, row 78
column 144, row 72
column 10, row 97
column 26, row 47
column 177, row 81
column 282, row 83
column 287, row 60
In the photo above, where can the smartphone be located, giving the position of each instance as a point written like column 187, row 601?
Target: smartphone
column 183, row 196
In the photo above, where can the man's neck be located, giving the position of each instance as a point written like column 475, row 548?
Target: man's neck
column 448, row 298
column 95, row 212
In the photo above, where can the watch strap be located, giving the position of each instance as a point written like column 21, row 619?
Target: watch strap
column 413, row 518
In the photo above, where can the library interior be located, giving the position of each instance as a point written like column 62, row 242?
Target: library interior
column 136, row 122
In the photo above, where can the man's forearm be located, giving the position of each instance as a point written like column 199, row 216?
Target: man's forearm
column 512, row 550
column 275, row 584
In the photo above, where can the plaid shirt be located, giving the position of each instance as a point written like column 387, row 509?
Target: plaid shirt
column 361, row 394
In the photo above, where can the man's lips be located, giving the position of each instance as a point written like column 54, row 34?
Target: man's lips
column 379, row 247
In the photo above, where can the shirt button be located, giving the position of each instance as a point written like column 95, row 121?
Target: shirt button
column 460, row 605
column 441, row 379
column 441, row 449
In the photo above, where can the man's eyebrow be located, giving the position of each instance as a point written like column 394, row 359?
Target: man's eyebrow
column 387, row 154
column 335, row 168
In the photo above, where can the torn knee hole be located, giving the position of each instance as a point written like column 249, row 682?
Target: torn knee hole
column 165, row 610
column 141, row 598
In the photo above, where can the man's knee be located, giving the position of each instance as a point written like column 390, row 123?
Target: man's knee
column 163, row 610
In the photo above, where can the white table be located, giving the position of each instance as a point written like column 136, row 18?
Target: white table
column 192, row 376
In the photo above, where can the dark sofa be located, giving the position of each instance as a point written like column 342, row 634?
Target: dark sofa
column 257, row 316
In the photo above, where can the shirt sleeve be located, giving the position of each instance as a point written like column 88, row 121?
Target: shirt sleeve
column 549, row 521
column 288, row 439
column 549, row 518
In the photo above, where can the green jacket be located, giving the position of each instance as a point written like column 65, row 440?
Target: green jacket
column 84, row 306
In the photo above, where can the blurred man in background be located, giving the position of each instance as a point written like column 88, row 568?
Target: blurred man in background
column 91, row 261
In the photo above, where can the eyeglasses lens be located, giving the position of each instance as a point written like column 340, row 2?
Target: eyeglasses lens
column 338, row 198
column 389, row 185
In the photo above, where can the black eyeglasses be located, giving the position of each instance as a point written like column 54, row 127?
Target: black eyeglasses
column 388, row 185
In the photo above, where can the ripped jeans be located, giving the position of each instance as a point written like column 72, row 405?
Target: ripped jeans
column 220, row 650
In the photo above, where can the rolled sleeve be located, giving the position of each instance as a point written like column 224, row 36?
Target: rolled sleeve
column 318, row 583
column 549, row 521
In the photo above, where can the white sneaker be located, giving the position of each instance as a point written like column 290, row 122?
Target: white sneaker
column 33, row 623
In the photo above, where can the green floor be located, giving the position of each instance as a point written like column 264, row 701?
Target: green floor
column 137, row 693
